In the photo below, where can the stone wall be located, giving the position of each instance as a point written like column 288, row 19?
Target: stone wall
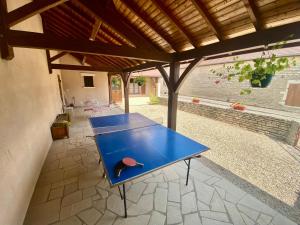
column 73, row 85
column 201, row 83
column 280, row 129
column 29, row 103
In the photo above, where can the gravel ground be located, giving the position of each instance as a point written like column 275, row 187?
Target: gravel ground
column 259, row 160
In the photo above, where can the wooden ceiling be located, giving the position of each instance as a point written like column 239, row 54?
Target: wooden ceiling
column 169, row 26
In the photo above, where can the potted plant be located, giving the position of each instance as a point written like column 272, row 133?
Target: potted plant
column 195, row 100
column 259, row 71
column 140, row 80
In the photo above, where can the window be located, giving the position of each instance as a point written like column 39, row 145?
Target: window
column 88, row 81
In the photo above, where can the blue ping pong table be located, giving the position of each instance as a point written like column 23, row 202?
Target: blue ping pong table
column 133, row 135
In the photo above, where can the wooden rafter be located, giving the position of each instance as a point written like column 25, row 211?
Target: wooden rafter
column 6, row 50
column 94, row 33
column 160, row 4
column 254, row 14
column 48, row 61
column 109, row 62
column 210, row 21
column 83, row 68
column 185, row 73
column 116, row 22
column 95, row 30
column 143, row 66
column 67, row 24
column 259, row 38
column 145, row 18
column 59, row 55
column 42, row 41
column 30, row 9
column 164, row 74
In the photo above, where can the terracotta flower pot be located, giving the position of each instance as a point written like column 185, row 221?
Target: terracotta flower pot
column 196, row 100
column 238, row 106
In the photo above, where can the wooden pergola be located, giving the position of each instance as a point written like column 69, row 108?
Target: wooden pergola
column 123, row 36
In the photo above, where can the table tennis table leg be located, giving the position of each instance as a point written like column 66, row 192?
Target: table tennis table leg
column 124, row 199
column 188, row 171
column 120, row 192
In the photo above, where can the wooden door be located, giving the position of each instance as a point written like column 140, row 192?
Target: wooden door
column 116, row 96
column 116, row 90
column 293, row 95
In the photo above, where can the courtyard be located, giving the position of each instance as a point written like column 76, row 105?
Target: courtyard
column 237, row 188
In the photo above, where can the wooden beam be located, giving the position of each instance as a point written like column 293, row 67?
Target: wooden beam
column 30, row 9
column 109, row 88
column 185, row 73
column 145, row 18
column 83, row 68
column 95, row 30
column 6, row 50
column 142, row 66
column 259, row 38
column 112, row 17
column 254, row 14
column 59, row 55
column 48, row 61
column 160, row 4
column 164, row 74
column 94, row 33
column 173, row 95
column 41, row 41
column 125, row 78
column 210, row 21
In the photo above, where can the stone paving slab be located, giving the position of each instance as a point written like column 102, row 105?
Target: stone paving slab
column 83, row 196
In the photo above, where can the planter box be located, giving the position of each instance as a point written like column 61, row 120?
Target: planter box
column 59, row 131
column 60, row 127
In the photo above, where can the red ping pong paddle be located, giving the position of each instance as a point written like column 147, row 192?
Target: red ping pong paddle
column 124, row 163
column 130, row 162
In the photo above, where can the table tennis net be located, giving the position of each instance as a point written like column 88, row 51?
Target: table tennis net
column 123, row 127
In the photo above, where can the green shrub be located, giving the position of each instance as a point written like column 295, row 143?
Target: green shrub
column 154, row 100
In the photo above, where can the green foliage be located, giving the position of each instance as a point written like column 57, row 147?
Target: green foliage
column 257, row 69
column 116, row 82
column 153, row 100
column 140, row 80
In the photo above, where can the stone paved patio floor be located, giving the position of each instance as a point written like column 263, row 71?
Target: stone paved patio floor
column 71, row 191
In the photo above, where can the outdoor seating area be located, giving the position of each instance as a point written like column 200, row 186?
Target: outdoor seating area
column 71, row 190
column 149, row 112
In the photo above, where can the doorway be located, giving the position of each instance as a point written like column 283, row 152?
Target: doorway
column 116, row 89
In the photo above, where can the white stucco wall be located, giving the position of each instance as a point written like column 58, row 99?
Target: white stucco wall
column 29, row 102
column 73, row 85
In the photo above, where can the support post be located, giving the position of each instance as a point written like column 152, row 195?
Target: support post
column 109, row 89
column 6, row 50
column 173, row 94
column 188, row 171
column 48, row 61
column 124, row 199
column 125, row 78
